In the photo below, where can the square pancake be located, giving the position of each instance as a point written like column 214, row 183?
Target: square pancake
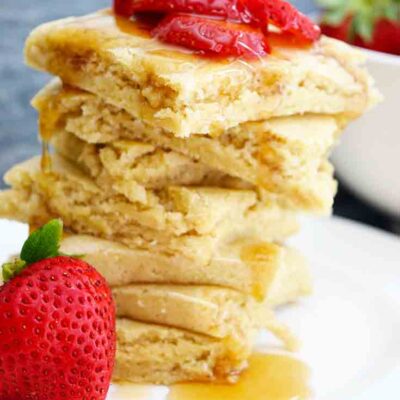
column 245, row 267
column 149, row 353
column 156, row 354
column 190, row 221
column 184, row 93
column 282, row 157
column 262, row 269
column 209, row 310
column 136, row 170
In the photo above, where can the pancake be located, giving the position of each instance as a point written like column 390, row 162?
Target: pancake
column 184, row 93
column 148, row 353
column 283, row 159
column 193, row 222
column 264, row 270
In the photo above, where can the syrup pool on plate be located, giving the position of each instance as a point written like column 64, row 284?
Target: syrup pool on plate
column 269, row 377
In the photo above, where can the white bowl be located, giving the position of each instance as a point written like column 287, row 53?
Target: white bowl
column 368, row 158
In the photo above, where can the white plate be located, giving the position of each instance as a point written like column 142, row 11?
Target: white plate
column 350, row 328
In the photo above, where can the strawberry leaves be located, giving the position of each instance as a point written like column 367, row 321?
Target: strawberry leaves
column 42, row 243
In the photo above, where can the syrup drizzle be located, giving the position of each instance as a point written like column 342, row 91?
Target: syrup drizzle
column 143, row 23
column 260, row 256
column 45, row 135
column 45, row 161
column 48, row 120
column 269, row 377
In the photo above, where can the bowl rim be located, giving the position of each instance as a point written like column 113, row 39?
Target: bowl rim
column 381, row 57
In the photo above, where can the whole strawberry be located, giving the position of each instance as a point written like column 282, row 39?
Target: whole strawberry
column 57, row 325
column 373, row 24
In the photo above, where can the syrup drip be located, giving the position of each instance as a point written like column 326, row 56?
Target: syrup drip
column 260, row 256
column 45, row 162
column 48, row 120
column 138, row 26
column 269, row 377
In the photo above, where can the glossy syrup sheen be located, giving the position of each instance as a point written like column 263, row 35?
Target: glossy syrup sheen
column 48, row 119
column 45, row 161
column 136, row 26
column 269, row 377
column 261, row 256
column 142, row 25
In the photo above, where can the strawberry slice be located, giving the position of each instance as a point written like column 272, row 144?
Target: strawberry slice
column 212, row 36
column 226, row 9
column 255, row 12
column 284, row 16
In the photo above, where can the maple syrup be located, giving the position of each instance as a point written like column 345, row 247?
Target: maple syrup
column 139, row 26
column 48, row 120
column 45, row 131
column 269, row 377
column 142, row 24
column 45, row 161
column 261, row 256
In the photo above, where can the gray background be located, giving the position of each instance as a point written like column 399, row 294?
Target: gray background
column 18, row 133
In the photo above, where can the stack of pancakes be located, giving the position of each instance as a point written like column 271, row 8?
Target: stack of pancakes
column 180, row 178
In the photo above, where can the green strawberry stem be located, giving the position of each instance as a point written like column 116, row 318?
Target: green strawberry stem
column 12, row 269
column 42, row 243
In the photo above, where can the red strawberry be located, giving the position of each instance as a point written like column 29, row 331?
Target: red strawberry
column 373, row 24
column 284, row 16
column 340, row 31
column 57, row 325
column 211, row 36
column 227, row 9
column 385, row 38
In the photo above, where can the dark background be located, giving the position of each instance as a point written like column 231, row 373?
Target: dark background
column 18, row 84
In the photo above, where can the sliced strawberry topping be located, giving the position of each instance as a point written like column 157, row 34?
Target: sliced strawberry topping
column 223, row 27
column 283, row 15
column 212, row 36
column 227, row 9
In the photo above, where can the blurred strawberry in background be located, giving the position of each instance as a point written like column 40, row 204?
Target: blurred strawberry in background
column 372, row 24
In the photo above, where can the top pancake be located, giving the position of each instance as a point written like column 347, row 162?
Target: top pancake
column 172, row 88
